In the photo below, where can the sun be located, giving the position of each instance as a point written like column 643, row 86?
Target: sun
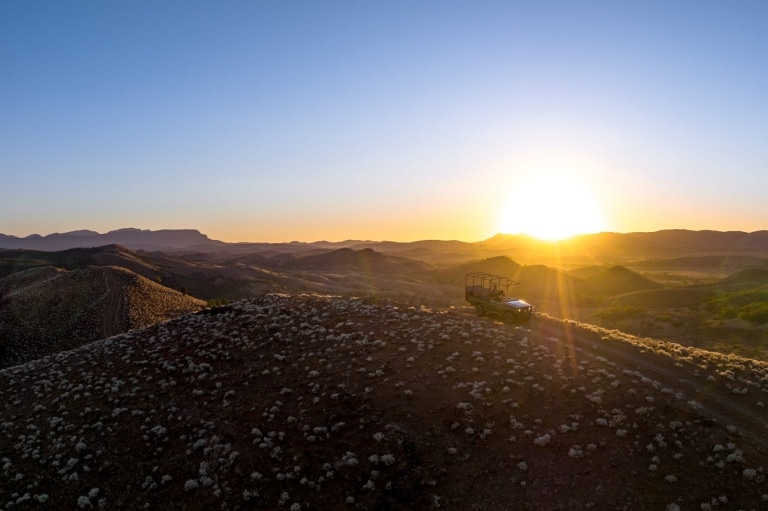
column 551, row 206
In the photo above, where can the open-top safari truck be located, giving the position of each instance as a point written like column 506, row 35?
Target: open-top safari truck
column 490, row 295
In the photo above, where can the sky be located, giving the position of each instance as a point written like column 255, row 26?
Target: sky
column 395, row 120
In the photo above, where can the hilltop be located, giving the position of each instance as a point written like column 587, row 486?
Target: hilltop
column 618, row 280
column 318, row 402
column 47, row 310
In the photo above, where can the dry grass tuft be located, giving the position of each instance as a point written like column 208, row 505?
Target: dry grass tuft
column 318, row 402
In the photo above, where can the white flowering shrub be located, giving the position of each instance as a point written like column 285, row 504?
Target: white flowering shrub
column 323, row 402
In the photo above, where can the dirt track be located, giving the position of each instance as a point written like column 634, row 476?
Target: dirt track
column 111, row 307
column 716, row 402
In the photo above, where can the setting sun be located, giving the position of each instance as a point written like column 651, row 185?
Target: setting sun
column 551, row 206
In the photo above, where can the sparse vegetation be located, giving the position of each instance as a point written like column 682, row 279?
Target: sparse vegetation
column 47, row 310
column 308, row 402
column 217, row 302
column 748, row 304
column 616, row 313
column 756, row 313
column 615, row 296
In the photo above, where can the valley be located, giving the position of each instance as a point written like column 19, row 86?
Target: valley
column 668, row 285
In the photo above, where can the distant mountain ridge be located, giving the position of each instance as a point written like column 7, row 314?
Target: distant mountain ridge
column 136, row 239
column 611, row 247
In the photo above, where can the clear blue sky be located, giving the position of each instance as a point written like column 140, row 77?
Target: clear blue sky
column 292, row 120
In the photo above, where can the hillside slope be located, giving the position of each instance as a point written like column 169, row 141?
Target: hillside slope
column 201, row 275
column 744, row 279
column 367, row 260
column 47, row 310
column 619, row 280
column 14, row 261
column 310, row 402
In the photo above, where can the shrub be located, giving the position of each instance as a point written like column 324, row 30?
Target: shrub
column 619, row 312
column 756, row 313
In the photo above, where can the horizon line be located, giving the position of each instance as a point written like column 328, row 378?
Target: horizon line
column 90, row 232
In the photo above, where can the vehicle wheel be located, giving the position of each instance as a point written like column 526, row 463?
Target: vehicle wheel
column 479, row 310
column 509, row 318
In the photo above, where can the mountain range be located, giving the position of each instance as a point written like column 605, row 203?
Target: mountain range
column 167, row 239
column 333, row 386
column 667, row 288
column 604, row 247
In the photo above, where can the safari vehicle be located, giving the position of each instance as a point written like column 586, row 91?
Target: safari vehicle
column 490, row 295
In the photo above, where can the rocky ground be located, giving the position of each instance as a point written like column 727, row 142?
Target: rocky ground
column 316, row 402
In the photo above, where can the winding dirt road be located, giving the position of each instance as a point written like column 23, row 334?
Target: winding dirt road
column 109, row 325
column 715, row 401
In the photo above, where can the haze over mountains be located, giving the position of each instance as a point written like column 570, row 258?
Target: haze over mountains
column 602, row 246
column 669, row 284
column 583, row 268
column 134, row 238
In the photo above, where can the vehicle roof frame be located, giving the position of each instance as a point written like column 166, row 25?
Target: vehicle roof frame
column 487, row 280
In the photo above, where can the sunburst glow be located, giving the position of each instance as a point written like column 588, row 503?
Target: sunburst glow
column 551, row 206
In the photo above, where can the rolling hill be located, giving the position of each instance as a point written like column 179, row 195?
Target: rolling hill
column 669, row 298
column 499, row 265
column 744, row 279
column 13, row 261
column 729, row 263
column 585, row 272
column 316, row 402
column 47, row 310
column 607, row 247
column 541, row 282
column 619, row 280
column 201, row 275
column 694, row 295
column 347, row 259
column 211, row 276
